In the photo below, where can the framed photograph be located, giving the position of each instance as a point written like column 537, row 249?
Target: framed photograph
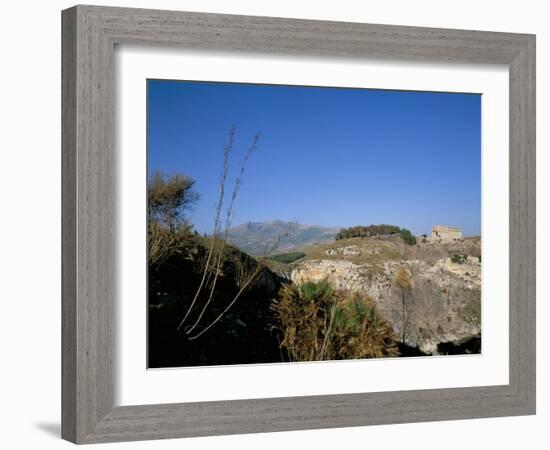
column 277, row 224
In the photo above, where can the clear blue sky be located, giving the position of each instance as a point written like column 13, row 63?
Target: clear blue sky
column 326, row 156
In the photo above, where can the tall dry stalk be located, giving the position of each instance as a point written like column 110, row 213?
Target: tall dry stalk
column 216, row 254
column 328, row 332
column 228, row 147
column 246, row 276
column 223, row 242
column 250, row 279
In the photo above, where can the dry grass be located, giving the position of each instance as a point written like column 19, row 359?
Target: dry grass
column 377, row 251
column 373, row 250
column 163, row 243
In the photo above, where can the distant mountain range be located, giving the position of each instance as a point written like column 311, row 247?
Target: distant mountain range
column 277, row 236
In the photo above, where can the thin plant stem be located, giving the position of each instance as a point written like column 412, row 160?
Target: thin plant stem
column 325, row 341
column 228, row 220
column 227, row 150
column 243, row 288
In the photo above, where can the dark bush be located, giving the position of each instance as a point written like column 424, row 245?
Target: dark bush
column 407, row 236
column 287, row 258
column 459, row 258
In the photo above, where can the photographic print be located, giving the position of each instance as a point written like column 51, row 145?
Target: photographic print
column 298, row 223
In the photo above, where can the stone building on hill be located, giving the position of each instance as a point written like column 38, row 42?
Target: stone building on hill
column 446, row 233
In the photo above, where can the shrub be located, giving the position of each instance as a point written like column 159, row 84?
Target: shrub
column 303, row 313
column 361, row 331
column 168, row 198
column 407, row 236
column 287, row 257
column 318, row 323
column 458, row 258
column 162, row 243
column 168, row 231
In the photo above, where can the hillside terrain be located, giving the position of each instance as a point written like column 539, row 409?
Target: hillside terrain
column 242, row 336
column 442, row 308
column 260, row 238
column 211, row 303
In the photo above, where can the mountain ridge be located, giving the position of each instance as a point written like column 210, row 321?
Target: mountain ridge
column 276, row 236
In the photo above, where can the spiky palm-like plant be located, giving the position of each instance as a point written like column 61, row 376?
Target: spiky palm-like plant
column 303, row 312
column 361, row 331
column 318, row 323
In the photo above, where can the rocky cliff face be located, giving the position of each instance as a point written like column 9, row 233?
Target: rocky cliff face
column 443, row 303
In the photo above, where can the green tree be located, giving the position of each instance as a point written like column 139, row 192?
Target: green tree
column 407, row 236
column 367, row 231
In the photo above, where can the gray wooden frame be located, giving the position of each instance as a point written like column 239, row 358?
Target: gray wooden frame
column 89, row 36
